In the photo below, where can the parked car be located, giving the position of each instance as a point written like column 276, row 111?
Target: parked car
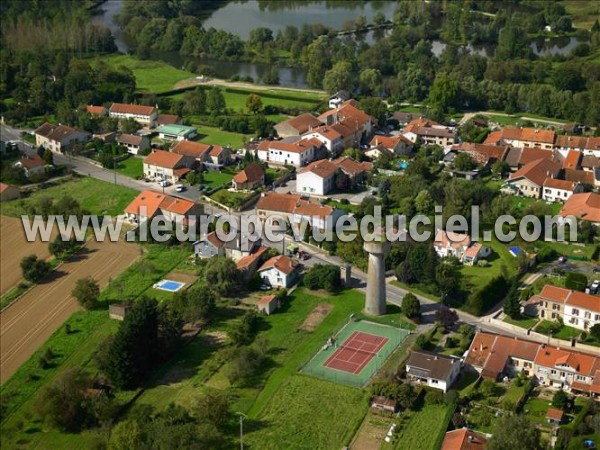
column 164, row 183
column 594, row 287
column 180, row 188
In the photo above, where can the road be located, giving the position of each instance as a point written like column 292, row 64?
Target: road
column 27, row 323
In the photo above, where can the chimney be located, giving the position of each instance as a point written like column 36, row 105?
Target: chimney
column 481, row 347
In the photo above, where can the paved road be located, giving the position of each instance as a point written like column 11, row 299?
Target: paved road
column 29, row 322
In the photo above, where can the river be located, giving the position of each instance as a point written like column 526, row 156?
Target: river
column 241, row 17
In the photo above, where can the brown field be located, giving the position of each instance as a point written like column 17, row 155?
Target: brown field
column 316, row 317
column 13, row 247
column 29, row 322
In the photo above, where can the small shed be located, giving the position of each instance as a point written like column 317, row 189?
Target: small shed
column 384, row 404
column 118, row 312
column 268, row 304
column 554, row 416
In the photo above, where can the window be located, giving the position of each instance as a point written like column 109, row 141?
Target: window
column 575, row 312
column 553, row 372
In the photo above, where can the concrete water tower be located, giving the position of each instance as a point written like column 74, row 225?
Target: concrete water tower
column 375, row 302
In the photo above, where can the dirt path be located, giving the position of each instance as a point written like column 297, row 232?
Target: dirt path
column 30, row 321
column 13, row 247
column 241, row 85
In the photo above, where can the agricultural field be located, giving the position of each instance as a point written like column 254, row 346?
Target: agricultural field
column 98, row 197
column 306, row 413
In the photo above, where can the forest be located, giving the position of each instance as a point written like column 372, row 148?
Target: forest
column 514, row 79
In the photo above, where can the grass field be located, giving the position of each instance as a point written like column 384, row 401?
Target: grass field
column 307, row 413
column 131, row 167
column 523, row 321
column 98, row 197
column 423, row 428
column 216, row 179
column 151, row 76
column 213, row 135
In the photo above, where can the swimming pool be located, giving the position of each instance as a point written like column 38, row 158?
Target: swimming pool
column 168, row 285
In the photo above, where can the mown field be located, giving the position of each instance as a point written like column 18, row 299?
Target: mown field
column 98, row 197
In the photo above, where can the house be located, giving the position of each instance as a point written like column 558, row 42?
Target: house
column 144, row 115
column 588, row 146
column 248, row 265
column 318, row 178
column 556, row 190
column 584, row 206
column 8, row 192
column 482, row 154
column 168, row 119
column 337, row 99
column 517, row 157
column 320, row 217
column 96, row 110
column 149, row 204
column 249, row 178
column 374, row 153
column 572, row 160
column 495, row 355
column 291, row 151
column 197, row 150
column 529, row 180
column 354, row 170
column 381, row 403
column 332, row 137
column 167, row 166
column 432, row 369
column 460, row 246
column 281, row 205
column 219, row 155
column 118, row 311
column 589, row 163
column 576, row 309
column 31, row 164
column 175, row 132
column 555, row 416
column 356, row 124
column 279, row 271
column 523, row 137
column 403, row 118
column 134, row 144
column 463, row 439
column 58, row 137
column 210, row 246
column 398, row 145
column 268, row 304
column 297, row 126
column 428, row 132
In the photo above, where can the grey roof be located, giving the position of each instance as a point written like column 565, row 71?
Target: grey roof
column 513, row 156
column 430, row 365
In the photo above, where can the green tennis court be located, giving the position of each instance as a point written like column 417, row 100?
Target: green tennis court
column 359, row 351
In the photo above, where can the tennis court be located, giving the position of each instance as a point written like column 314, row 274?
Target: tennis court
column 357, row 352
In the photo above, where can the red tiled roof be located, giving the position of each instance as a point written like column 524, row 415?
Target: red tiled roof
column 322, row 168
column 352, row 166
column 4, row 187
column 493, row 138
column 149, row 199
column 168, row 119
column 529, row 154
column 564, row 185
column 214, row 240
column 555, row 414
column 580, row 176
column 388, row 142
column 95, row 109
column 282, row 263
column 251, row 173
column 482, row 153
column 266, row 300
column 572, row 160
column 189, row 148
column 216, row 150
column 129, row 139
column 248, row 260
column 176, row 205
column 451, row 239
column 582, row 363
column 313, row 210
column 328, row 132
column 54, row 132
column 278, row 202
column 585, row 206
column 463, row 439
column 138, row 110
column 32, row 161
column 161, row 158
column 537, row 171
column 570, row 297
column 303, row 122
column 349, row 115
column 300, row 146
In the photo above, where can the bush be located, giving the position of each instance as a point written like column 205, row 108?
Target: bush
column 411, row 307
column 86, row 292
column 560, row 399
column 434, row 397
column 576, row 281
column 546, row 254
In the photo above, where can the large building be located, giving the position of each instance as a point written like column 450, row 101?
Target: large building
column 293, row 151
column 144, row 115
column 58, row 137
column 529, row 180
column 523, row 137
column 428, row 132
column 576, row 309
column 495, row 356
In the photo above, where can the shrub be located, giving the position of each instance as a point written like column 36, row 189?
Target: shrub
column 323, row 276
column 86, row 292
column 576, row 281
column 434, row 397
column 546, row 254
column 411, row 307
column 34, row 269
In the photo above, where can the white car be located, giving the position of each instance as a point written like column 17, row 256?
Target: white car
column 164, row 183
column 594, row 287
column 180, row 188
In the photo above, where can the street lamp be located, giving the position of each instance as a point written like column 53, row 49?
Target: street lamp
column 242, row 417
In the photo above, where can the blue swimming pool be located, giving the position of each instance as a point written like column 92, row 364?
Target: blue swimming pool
column 169, row 285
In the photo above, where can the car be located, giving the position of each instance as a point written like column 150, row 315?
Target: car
column 594, row 287
column 164, row 183
column 180, row 188
column 562, row 259
column 265, row 287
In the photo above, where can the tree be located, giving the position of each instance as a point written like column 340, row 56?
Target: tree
column 575, row 280
column 254, row 103
column 48, row 157
column 463, row 162
column 195, row 101
column 215, row 101
column 512, row 304
column 447, row 317
column 375, row 107
column 62, row 248
column 370, row 81
column 560, row 399
column 34, row 269
column 448, row 279
column 424, row 202
column 514, row 432
column 222, row 276
column 129, row 126
column 444, row 93
column 242, row 334
column 213, row 408
column 86, row 291
column 323, row 276
column 194, row 304
column 595, row 331
column 340, row 77
column 411, row 307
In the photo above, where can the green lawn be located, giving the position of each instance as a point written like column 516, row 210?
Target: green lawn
column 536, row 409
column 216, row 179
column 514, row 393
column 98, row 197
column 232, row 199
column 131, row 167
column 213, row 135
column 522, row 321
column 307, row 413
column 422, row 429
column 476, row 277
column 151, row 76
column 564, row 332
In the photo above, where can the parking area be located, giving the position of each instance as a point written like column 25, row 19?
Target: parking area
column 354, row 198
